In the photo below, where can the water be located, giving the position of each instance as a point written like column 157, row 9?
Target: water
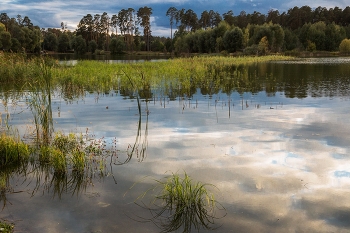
column 276, row 146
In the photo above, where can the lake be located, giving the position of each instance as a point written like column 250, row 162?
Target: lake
column 275, row 146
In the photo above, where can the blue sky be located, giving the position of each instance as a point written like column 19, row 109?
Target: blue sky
column 47, row 13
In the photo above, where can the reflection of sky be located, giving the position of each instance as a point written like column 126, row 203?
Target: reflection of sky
column 279, row 167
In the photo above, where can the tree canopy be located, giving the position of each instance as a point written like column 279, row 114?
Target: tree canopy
column 299, row 28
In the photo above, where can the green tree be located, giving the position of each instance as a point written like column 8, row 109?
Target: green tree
column 157, row 46
column 144, row 18
column 229, row 18
column 2, row 27
column 92, row 46
column 50, row 42
column 233, row 40
column 181, row 46
column 114, row 23
column 344, row 46
column 316, row 34
column 15, row 45
column 311, row 46
column 204, row 21
column 171, row 13
column 291, row 40
column 273, row 16
column 277, row 37
column 63, row 43
column 85, row 28
column 334, row 35
column 4, row 19
column 263, row 45
column 189, row 20
column 116, row 46
column 79, row 45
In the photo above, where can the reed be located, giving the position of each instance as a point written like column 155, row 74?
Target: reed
column 40, row 100
column 183, row 204
column 13, row 152
column 6, row 227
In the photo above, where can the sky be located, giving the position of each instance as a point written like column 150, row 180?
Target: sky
column 50, row 14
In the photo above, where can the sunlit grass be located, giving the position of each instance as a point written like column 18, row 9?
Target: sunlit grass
column 12, row 151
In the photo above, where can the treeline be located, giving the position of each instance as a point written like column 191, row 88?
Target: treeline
column 130, row 30
column 297, row 29
column 19, row 34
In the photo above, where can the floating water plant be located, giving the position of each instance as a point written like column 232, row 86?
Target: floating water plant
column 182, row 203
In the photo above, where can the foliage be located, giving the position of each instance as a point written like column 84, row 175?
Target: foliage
column 92, row 46
column 344, row 46
column 144, row 19
column 79, row 45
column 117, row 46
column 311, row 46
column 50, row 42
column 233, row 40
column 5, row 40
column 263, row 45
column 63, row 43
column 289, row 30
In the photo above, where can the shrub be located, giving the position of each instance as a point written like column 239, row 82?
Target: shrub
column 344, row 46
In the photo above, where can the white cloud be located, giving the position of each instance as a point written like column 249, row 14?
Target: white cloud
column 51, row 13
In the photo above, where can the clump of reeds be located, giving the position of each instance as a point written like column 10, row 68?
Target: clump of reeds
column 183, row 204
column 69, row 163
column 12, row 151
column 73, row 153
column 6, row 227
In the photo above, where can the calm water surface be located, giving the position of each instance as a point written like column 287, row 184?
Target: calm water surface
column 277, row 148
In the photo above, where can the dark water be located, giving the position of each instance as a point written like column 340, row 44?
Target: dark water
column 276, row 145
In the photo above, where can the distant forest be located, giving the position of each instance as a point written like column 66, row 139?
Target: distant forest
column 298, row 29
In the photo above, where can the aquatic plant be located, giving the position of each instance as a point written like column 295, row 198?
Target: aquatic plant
column 40, row 101
column 183, row 204
column 12, row 151
column 6, row 227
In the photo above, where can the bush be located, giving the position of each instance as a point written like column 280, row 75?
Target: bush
column 92, row 46
column 117, row 46
column 79, row 45
column 251, row 50
column 233, row 40
column 344, row 46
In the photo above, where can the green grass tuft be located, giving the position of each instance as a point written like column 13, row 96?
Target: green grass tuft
column 6, row 227
column 12, row 151
column 183, row 204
